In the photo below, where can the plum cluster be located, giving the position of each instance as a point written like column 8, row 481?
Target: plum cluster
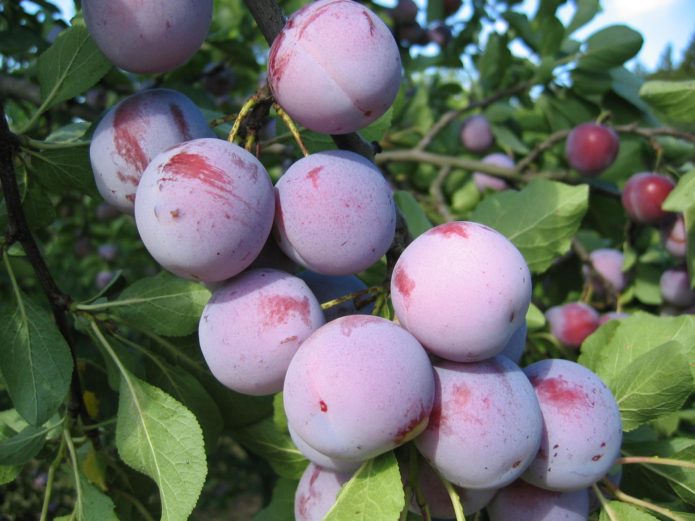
column 360, row 386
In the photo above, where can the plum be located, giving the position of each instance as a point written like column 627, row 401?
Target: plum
column 484, row 181
column 148, row 36
column 335, row 67
column 335, row 214
column 582, row 430
column 132, row 133
column 643, row 195
column 252, row 327
column 608, row 263
column 357, row 387
column 204, row 209
column 486, row 423
column 675, row 287
column 316, row 492
column 591, row 148
column 571, row 323
column 675, row 237
column 462, row 289
column 476, row 134
column 521, row 501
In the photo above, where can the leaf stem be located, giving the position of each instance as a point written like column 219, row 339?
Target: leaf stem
column 292, row 127
column 374, row 290
column 655, row 460
column 50, row 478
column 604, row 503
column 75, row 470
column 245, row 110
column 626, row 498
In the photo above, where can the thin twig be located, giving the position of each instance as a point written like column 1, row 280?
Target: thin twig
column 450, row 116
column 542, row 147
column 656, row 460
column 626, row 498
column 436, row 189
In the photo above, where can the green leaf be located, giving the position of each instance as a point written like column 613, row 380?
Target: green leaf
column 38, row 208
column 653, row 385
column 610, row 47
column 552, row 33
column 681, row 197
column 624, row 512
column 376, row 130
column 681, row 479
column 35, row 360
column 620, row 342
column 65, row 168
column 22, row 447
column 158, row 436
column 627, row 85
column 535, row 319
column 263, row 438
column 279, row 415
column 375, row 493
column 689, row 217
column 414, row 216
column 507, row 139
column 163, row 304
column 70, row 66
column 540, row 220
column 281, row 507
column 674, row 99
column 494, row 61
column 647, row 288
column 92, row 504
column 584, row 13
column 190, row 392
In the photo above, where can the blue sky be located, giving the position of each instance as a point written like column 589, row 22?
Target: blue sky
column 661, row 22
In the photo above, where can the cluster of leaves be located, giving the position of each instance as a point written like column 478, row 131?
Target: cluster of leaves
column 106, row 389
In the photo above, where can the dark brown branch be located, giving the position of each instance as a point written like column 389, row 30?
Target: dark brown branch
column 450, row 116
column 18, row 230
column 650, row 133
column 270, row 20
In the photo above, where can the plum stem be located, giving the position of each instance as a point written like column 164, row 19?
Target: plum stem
column 413, row 469
column 245, row 110
column 57, row 461
column 292, row 127
column 453, row 496
column 374, row 290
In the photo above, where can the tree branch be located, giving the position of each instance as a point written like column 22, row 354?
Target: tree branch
column 18, row 230
column 450, row 116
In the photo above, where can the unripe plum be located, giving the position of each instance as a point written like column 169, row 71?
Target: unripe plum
column 132, row 133
column 476, row 134
column 484, row 181
column 320, row 459
column 571, row 323
column 591, row 148
column 675, row 287
column 334, row 213
column 523, row 502
column 462, row 289
column 437, row 497
column 675, row 237
column 608, row 263
column 329, row 287
column 643, row 195
column 103, row 278
column 108, row 252
column 357, row 387
column 148, row 36
column 204, row 209
column 252, row 327
column 516, row 345
column 335, row 67
column 317, row 492
column 486, row 424
column 582, row 430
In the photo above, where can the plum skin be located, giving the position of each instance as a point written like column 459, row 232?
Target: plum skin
column 591, row 148
column 204, row 209
column 132, row 133
column 335, row 67
column 486, row 423
column 608, row 263
column 521, row 501
column 484, row 181
column 351, row 417
column 675, row 287
column 253, row 325
column 149, row 36
column 643, row 195
column 462, row 289
column 335, row 214
column 582, row 429
column 572, row 323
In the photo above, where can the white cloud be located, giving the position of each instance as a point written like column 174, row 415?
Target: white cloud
column 632, row 8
